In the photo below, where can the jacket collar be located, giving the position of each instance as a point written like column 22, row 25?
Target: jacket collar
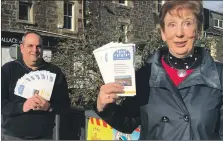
column 21, row 62
column 206, row 73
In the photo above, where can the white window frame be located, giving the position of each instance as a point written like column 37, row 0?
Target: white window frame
column 221, row 23
column 157, row 3
column 217, row 22
column 72, row 15
column 218, row 26
column 125, row 2
column 122, row 4
column 30, row 12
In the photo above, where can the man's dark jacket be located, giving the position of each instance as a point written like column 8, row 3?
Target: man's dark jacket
column 33, row 123
column 191, row 111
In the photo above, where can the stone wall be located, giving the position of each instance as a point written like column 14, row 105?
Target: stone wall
column 219, row 50
column 47, row 20
column 47, row 15
column 107, row 16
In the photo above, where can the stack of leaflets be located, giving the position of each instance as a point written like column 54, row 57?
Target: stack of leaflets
column 36, row 82
column 116, row 63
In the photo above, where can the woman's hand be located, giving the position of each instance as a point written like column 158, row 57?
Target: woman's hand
column 108, row 95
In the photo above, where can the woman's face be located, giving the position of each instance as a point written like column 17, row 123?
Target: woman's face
column 180, row 32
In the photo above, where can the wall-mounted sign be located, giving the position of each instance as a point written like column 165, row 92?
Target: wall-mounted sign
column 47, row 54
column 10, row 38
column 14, row 51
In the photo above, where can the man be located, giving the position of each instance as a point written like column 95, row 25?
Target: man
column 31, row 118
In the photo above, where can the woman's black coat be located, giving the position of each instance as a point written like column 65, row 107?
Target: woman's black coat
column 191, row 111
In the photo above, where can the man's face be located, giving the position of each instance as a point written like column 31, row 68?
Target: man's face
column 31, row 49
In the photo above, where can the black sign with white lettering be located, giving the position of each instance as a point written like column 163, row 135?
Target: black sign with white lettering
column 10, row 38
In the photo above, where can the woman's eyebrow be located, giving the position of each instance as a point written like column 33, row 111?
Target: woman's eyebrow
column 170, row 20
column 189, row 18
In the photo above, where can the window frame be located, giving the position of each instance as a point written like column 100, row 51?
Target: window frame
column 123, row 4
column 221, row 23
column 30, row 10
column 76, row 16
column 156, row 6
column 72, row 15
column 215, row 22
column 128, row 4
column 218, row 23
column 159, row 3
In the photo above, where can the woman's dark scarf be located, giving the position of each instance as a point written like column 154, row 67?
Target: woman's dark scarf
column 190, row 62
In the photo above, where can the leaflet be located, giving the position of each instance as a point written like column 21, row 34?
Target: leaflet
column 36, row 82
column 116, row 64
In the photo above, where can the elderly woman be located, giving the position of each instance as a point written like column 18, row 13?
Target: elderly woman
column 179, row 90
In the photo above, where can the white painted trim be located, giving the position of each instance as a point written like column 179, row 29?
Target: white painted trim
column 218, row 23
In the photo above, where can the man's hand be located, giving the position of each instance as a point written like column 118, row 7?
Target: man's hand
column 43, row 105
column 31, row 103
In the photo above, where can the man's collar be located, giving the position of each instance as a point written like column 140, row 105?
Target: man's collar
column 42, row 64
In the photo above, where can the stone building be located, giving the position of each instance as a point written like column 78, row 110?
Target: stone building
column 44, row 17
column 213, row 28
column 136, row 19
column 55, row 20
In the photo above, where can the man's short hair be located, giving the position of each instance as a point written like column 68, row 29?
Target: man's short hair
column 31, row 32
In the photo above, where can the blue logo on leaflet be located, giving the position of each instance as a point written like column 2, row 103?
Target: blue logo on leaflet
column 21, row 89
column 121, row 54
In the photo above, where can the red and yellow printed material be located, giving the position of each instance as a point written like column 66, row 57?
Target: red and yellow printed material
column 98, row 129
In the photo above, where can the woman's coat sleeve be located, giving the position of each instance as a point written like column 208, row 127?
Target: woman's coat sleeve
column 126, row 117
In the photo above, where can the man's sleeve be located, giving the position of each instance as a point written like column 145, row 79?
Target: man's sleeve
column 9, row 107
column 60, row 101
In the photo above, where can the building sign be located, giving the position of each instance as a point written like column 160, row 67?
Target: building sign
column 47, row 54
column 10, row 38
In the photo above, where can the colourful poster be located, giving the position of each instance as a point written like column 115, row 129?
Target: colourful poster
column 100, row 130
column 121, row 136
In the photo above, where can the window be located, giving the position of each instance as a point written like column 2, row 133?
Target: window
column 159, row 5
column 121, row 1
column 221, row 24
column 216, row 22
column 126, row 3
column 25, row 11
column 68, row 15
